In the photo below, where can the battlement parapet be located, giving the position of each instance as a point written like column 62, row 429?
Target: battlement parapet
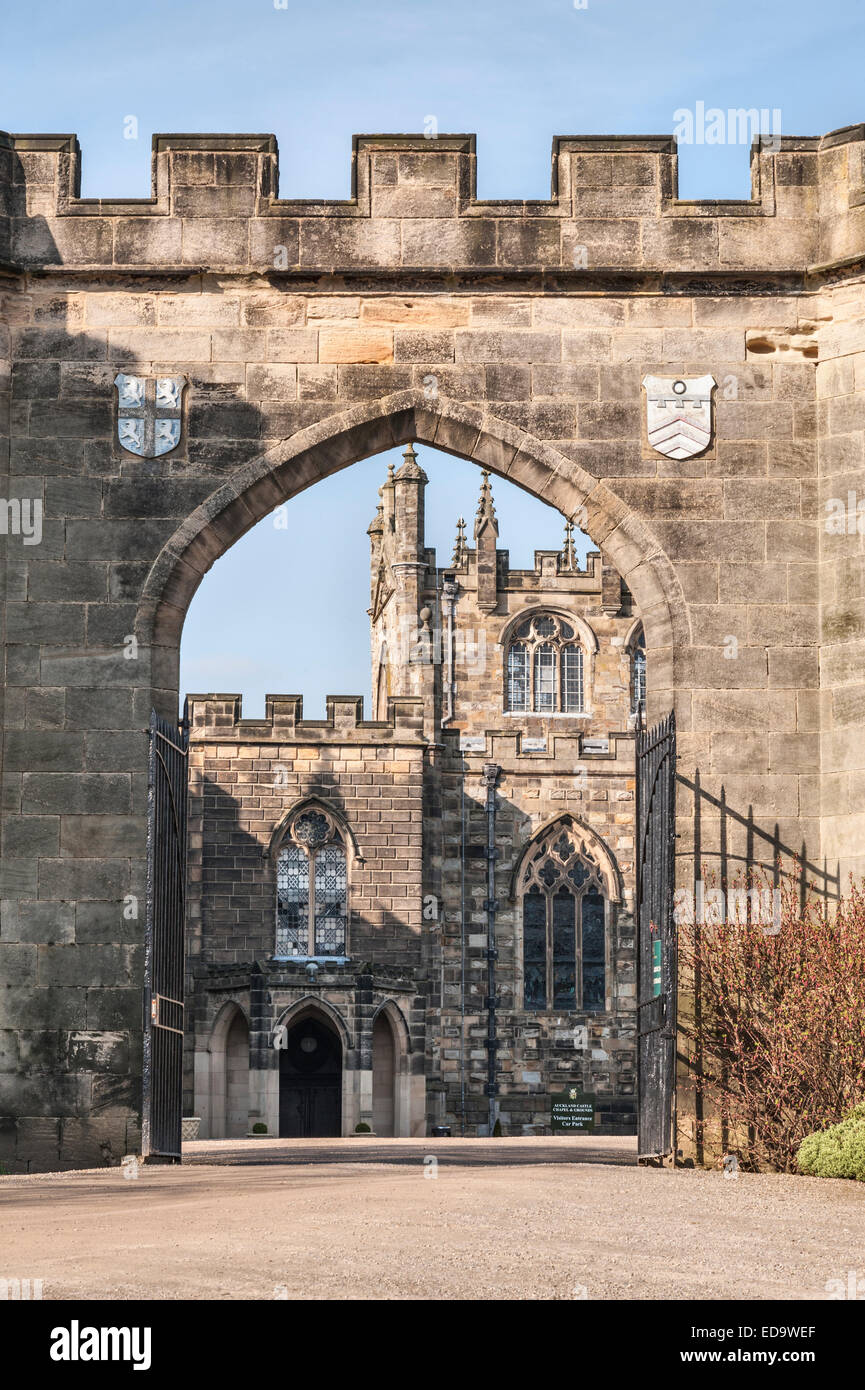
column 549, row 565
column 614, row 206
column 219, row 718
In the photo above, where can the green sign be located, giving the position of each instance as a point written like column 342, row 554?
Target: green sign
column 573, row 1111
column 656, row 967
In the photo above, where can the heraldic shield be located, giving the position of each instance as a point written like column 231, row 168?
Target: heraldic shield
column 148, row 413
column 679, row 414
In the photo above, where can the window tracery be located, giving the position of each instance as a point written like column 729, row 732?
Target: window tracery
column 545, row 667
column 311, row 888
column 564, row 925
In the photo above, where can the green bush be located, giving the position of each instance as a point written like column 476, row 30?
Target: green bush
column 259, row 1128
column 362, row 1128
column 836, row 1152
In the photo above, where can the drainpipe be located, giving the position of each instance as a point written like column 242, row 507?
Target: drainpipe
column 491, row 777
column 448, row 603
column 463, row 945
column 263, row 1058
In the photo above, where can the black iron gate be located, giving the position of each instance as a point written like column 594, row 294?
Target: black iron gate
column 164, row 939
column 656, row 938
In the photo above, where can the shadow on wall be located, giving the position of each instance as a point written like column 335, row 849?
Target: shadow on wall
column 73, row 918
column 231, row 926
column 740, row 851
column 232, row 923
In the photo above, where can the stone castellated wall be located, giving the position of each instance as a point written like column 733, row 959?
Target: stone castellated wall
column 246, row 775
column 314, row 333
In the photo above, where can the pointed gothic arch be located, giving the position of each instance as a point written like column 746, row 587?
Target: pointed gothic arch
column 565, row 884
column 222, row 1075
column 584, row 628
column 309, row 455
column 312, row 802
column 395, row 1109
column 588, row 840
column 313, row 1003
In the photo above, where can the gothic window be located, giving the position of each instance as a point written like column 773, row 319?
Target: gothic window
column 638, row 672
column 311, row 888
column 518, row 676
column 564, row 926
column 545, row 668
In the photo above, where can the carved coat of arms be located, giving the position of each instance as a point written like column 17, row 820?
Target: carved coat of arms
column 679, row 414
column 148, row 413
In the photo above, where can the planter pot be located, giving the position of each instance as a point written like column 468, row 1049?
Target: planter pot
column 189, row 1127
column 254, row 1134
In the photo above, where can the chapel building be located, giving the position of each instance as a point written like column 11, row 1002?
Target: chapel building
column 426, row 917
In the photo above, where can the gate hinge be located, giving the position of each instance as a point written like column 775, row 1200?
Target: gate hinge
column 156, row 1012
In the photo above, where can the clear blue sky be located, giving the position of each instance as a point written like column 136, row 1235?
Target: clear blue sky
column 286, row 608
column 516, row 74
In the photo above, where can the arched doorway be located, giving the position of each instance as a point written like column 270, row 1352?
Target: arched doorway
column 310, row 1081
column 383, row 1077
column 307, row 1104
column 222, row 1093
column 237, row 1078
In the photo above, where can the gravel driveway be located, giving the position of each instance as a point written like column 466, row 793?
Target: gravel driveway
column 359, row 1218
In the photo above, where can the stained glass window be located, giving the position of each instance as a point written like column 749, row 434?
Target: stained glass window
column 564, row 951
column 311, row 889
column 638, row 673
column 535, row 949
column 572, row 679
column 292, row 897
column 564, row 926
column 545, row 668
column 594, row 982
column 330, row 901
column 545, row 678
column 312, row 828
column 518, row 676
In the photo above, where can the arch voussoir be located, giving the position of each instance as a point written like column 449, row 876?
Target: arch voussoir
column 372, row 427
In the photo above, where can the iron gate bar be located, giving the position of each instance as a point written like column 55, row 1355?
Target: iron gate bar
column 655, row 869
column 164, row 939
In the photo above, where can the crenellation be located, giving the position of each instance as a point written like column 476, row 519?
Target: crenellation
column 215, row 200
